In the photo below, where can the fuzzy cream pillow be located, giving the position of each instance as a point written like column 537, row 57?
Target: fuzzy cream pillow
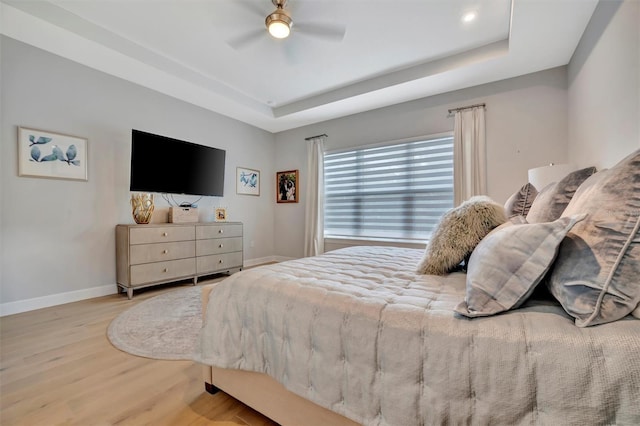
column 458, row 233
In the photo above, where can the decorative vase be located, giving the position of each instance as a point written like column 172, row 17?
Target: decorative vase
column 142, row 207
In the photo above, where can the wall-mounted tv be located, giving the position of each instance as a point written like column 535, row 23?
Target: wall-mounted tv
column 166, row 165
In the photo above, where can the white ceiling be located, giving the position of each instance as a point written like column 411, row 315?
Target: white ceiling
column 391, row 52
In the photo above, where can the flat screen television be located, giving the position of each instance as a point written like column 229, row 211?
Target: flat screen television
column 167, row 165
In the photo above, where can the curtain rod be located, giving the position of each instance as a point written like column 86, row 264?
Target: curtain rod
column 466, row 107
column 316, row 136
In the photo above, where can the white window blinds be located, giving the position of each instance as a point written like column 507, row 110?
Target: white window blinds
column 397, row 191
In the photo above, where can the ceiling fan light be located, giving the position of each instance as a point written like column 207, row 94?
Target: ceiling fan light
column 279, row 29
column 279, row 25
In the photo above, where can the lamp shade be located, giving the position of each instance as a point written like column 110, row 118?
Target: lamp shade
column 543, row 176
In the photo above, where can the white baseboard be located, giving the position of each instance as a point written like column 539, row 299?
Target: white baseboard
column 264, row 260
column 25, row 305
column 248, row 263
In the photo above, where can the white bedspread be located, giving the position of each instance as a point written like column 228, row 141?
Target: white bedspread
column 356, row 331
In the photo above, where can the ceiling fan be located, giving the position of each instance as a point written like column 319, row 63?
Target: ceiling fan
column 279, row 24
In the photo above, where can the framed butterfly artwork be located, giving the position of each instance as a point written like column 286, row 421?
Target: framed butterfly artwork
column 51, row 155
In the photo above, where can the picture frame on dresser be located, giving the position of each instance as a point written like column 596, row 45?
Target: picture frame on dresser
column 46, row 154
column 220, row 214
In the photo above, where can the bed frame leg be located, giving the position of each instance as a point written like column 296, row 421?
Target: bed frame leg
column 211, row 388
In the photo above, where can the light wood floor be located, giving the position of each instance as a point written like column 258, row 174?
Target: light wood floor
column 57, row 367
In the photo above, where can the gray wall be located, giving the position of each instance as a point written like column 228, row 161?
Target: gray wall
column 604, row 87
column 526, row 122
column 58, row 237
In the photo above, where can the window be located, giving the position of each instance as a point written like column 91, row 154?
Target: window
column 395, row 191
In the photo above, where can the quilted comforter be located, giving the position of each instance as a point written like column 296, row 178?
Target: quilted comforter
column 358, row 332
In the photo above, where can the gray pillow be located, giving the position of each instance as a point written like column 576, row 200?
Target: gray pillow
column 509, row 263
column 520, row 202
column 596, row 276
column 554, row 198
column 458, row 232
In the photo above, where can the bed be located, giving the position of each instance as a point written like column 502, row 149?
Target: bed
column 395, row 336
column 357, row 332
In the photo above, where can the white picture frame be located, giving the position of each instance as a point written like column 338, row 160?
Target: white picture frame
column 247, row 181
column 51, row 155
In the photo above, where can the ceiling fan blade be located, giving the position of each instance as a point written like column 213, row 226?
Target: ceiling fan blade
column 293, row 52
column 333, row 32
column 253, row 7
column 246, row 39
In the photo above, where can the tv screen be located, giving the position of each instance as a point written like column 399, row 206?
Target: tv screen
column 166, row 165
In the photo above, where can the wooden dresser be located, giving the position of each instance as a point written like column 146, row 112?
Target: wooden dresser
column 153, row 254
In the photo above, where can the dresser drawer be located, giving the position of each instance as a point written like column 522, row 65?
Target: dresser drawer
column 218, row 245
column 146, row 253
column 161, row 234
column 219, row 262
column 204, row 232
column 161, row 271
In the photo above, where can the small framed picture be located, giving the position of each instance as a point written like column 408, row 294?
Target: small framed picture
column 221, row 214
column 287, row 190
column 51, row 155
column 247, row 181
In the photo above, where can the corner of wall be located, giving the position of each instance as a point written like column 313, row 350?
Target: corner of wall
column 604, row 87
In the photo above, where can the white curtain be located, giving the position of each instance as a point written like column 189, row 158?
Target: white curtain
column 314, row 209
column 469, row 154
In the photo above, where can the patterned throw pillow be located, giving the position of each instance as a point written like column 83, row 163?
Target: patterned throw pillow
column 520, row 202
column 554, row 198
column 509, row 263
column 596, row 276
column 458, row 233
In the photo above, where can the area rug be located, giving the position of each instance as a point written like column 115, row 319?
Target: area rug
column 163, row 327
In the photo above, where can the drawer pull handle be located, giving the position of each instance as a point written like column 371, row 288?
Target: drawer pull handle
column 164, row 234
column 166, row 270
column 165, row 251
column 220, row 246
column 221, row 261
column 221, row 231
